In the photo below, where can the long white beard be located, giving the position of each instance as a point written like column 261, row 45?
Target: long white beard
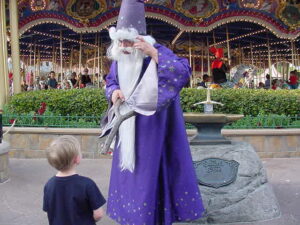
column 129, row 69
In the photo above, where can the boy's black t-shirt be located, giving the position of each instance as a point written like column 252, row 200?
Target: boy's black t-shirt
column 71, row 200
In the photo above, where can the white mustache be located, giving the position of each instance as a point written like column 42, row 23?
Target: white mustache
column 127, row 49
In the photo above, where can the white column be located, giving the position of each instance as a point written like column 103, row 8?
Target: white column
column 15, row 49
column 4, row 88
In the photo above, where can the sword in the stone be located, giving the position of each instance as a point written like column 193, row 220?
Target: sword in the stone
column 208, row 100
column 119, row 118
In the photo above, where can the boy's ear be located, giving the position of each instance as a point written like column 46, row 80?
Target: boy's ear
column 77, row 159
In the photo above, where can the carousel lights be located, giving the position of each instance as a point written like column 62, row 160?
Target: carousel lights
column 277, row 55
column 44, row 57
column 66, row 39
column 38, row 7
column 251, row 5
column 239, row 37
column 271, row 43
column 39, row 45
column 47, row 52
column 278, row 50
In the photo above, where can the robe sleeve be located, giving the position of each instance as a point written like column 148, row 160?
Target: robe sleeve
column 173, row 74
column 111, row 81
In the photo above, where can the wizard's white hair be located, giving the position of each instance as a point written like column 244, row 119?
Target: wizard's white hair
column 114, row 51
column 128, row 34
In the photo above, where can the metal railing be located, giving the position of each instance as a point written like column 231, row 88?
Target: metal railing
column 248, row 122
column 52, row 121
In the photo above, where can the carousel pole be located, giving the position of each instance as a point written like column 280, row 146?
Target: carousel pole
column 194, row 68
column 270, row 62
column 99, row 69
column 30, row 55
column 292, row 50
column 15, row 47
column 298, row 54
column 228, row 46
column 61, row 56
column 260, row 65
column 190, row 60
column 71, row 59
column 39, row 62
column 240, row 57
column 295, row 55
column 80, row 53
column 276, row 63
column 251, row 51
column 214, row 37
column 53, row 57
column 34, row 61
column 202, row 59
column 208, row 58
column 4, row 86
column 95, row 54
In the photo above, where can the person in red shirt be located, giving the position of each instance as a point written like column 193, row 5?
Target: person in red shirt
column 293, row 80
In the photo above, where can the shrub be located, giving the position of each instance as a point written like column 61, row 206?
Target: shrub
column 72, row 102
column 245, row 101
column 264, row 121
column 91, row 102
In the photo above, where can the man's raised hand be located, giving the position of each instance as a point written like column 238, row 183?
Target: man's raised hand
column 146, row 48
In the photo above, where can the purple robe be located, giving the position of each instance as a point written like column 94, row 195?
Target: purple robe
column 163, row 187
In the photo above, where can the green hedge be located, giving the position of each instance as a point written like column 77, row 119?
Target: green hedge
column 93, row 102
column 74, row 102
column 245, row 101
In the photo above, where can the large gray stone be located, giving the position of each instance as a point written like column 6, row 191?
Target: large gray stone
column 250, row 198
column 4, row 148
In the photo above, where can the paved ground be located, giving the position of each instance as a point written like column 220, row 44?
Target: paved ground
column 21, row 196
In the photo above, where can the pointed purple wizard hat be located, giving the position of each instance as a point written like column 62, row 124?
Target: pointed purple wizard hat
column 132, row 15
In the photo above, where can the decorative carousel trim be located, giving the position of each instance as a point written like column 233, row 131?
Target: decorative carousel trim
column 197, row 19
column 85, row 19
column 37, row 8
column 280, row 10
column 256, row 5
column 279, row 33
column 179, row 22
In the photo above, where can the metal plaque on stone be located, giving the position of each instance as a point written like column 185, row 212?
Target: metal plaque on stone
column 216, row 172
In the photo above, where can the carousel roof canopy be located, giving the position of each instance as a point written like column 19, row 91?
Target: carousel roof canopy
column 280, row 17
column 185, row 25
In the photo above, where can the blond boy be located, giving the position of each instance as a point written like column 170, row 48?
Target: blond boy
column 68, row 197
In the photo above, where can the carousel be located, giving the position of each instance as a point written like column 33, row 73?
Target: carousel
column 252, row 38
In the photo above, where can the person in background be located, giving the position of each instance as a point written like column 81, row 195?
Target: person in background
column 74, row 80
column 274, row 84
column 205, row 79
column 52, row 83
column 261, row 85
column 293, row 81
column 267, row 82
column 85, row 78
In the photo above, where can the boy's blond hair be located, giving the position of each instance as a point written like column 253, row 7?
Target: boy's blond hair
column 62, row 152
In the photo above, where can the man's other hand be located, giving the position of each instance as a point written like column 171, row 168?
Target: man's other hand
column 116, row 95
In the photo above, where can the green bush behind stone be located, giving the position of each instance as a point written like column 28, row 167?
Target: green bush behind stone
column 82, row 102
column 245, row 101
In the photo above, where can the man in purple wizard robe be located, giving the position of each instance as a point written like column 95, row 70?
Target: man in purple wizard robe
column 152, row 178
